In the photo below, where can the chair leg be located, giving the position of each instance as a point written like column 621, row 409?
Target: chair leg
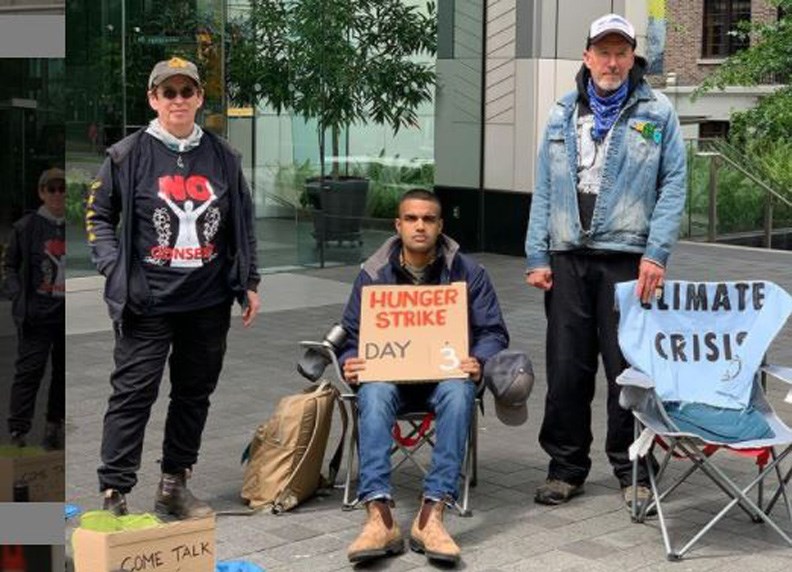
column 350, row 503
column 636, row 460
column 663, row 528
column 783, row 481
column 738, row 496
column 702, row 462
column 695, row 466
column 759, row 496
column 479, row 408
column 658, row 476
column 470, row 455
column 409, row 453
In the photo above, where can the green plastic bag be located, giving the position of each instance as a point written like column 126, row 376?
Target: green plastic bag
column 106, row 521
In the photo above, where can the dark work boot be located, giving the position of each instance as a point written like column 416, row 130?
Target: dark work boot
column 18, row 439
column 556, row 491
column 175, row 499
column 53, row 436
column 115, row 502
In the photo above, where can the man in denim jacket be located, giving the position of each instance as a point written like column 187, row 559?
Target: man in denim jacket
column 610, row 191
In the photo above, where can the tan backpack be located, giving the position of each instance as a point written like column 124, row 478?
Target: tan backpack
column 286, row 453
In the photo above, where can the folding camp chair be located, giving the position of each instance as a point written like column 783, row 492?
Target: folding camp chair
column 704, row 344
column 413, row 431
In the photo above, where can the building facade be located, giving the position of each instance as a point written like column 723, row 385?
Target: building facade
column 531, row 51
column 700, row 35
column 500, row 65
column 31, row 131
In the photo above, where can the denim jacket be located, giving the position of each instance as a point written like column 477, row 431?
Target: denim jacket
column 642, row 194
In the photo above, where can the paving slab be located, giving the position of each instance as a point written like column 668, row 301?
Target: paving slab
column 507, row 530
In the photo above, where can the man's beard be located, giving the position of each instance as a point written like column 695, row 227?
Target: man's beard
column 608, row 85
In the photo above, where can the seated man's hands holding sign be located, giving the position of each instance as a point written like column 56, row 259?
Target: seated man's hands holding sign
column 353, row 366
column 413, row 334
column 422, row 320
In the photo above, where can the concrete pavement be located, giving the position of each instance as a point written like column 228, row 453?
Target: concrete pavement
column 507, row 530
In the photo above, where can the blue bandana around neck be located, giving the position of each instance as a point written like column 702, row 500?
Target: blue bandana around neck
column 605, row 109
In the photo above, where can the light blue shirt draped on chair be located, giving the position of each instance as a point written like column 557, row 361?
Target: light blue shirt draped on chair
column 702, row 342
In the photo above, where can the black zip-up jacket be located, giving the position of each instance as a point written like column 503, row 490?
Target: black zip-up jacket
column 30, row 232
column 112, row 245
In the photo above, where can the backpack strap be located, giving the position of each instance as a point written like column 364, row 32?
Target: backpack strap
column 335, row 462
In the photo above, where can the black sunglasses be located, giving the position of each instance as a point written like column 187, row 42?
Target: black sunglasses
column 170, row 93
column 56, row 189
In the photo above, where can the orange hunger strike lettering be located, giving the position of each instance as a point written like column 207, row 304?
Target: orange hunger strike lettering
column 412, row 298
column 410, row 318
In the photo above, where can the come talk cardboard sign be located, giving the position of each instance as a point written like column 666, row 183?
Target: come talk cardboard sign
column 413, row 333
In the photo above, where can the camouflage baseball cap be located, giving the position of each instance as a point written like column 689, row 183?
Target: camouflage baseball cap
column 169, row 68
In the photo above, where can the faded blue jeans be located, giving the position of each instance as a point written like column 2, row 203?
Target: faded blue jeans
column 452, row 402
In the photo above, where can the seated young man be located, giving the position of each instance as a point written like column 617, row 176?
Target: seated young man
column 418, row 254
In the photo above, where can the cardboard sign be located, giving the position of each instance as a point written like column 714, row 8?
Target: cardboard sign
column 413, row 334
column 174, row 547
column 44, row 474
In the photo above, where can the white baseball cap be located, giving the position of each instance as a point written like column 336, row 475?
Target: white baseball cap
column 610, row 24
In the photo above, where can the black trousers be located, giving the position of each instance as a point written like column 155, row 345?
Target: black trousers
column 196, row 341
column 37, row 344
column 581, row 323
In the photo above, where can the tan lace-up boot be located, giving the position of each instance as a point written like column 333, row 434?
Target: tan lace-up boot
column 380, row 536
column 429, row 536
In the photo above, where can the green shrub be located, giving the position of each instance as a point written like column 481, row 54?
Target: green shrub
column 387, row 183
column 77, row 181
column 290, row 182
column 740, row 200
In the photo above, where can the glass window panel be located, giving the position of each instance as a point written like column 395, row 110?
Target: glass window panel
column 111, row 46
column 721, row 17
column 114, row 43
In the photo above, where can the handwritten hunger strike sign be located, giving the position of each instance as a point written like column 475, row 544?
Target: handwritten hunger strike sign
column 413, row 333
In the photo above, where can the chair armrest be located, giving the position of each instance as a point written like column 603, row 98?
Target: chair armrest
column 338, row 378
column 631, row 377
column 779, row 372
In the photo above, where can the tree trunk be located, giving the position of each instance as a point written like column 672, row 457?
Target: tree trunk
column 336, row 150
column 321, row 133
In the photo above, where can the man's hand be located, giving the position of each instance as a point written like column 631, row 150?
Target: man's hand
column 650, row 279
column 352, row 366
column 252, row 308
column 541, row 278
column 472, row 367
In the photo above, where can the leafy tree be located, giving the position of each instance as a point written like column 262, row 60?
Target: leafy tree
column 339, row 61
column 769, row 57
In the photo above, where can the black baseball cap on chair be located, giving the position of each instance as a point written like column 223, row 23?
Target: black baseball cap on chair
column 509, row 376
